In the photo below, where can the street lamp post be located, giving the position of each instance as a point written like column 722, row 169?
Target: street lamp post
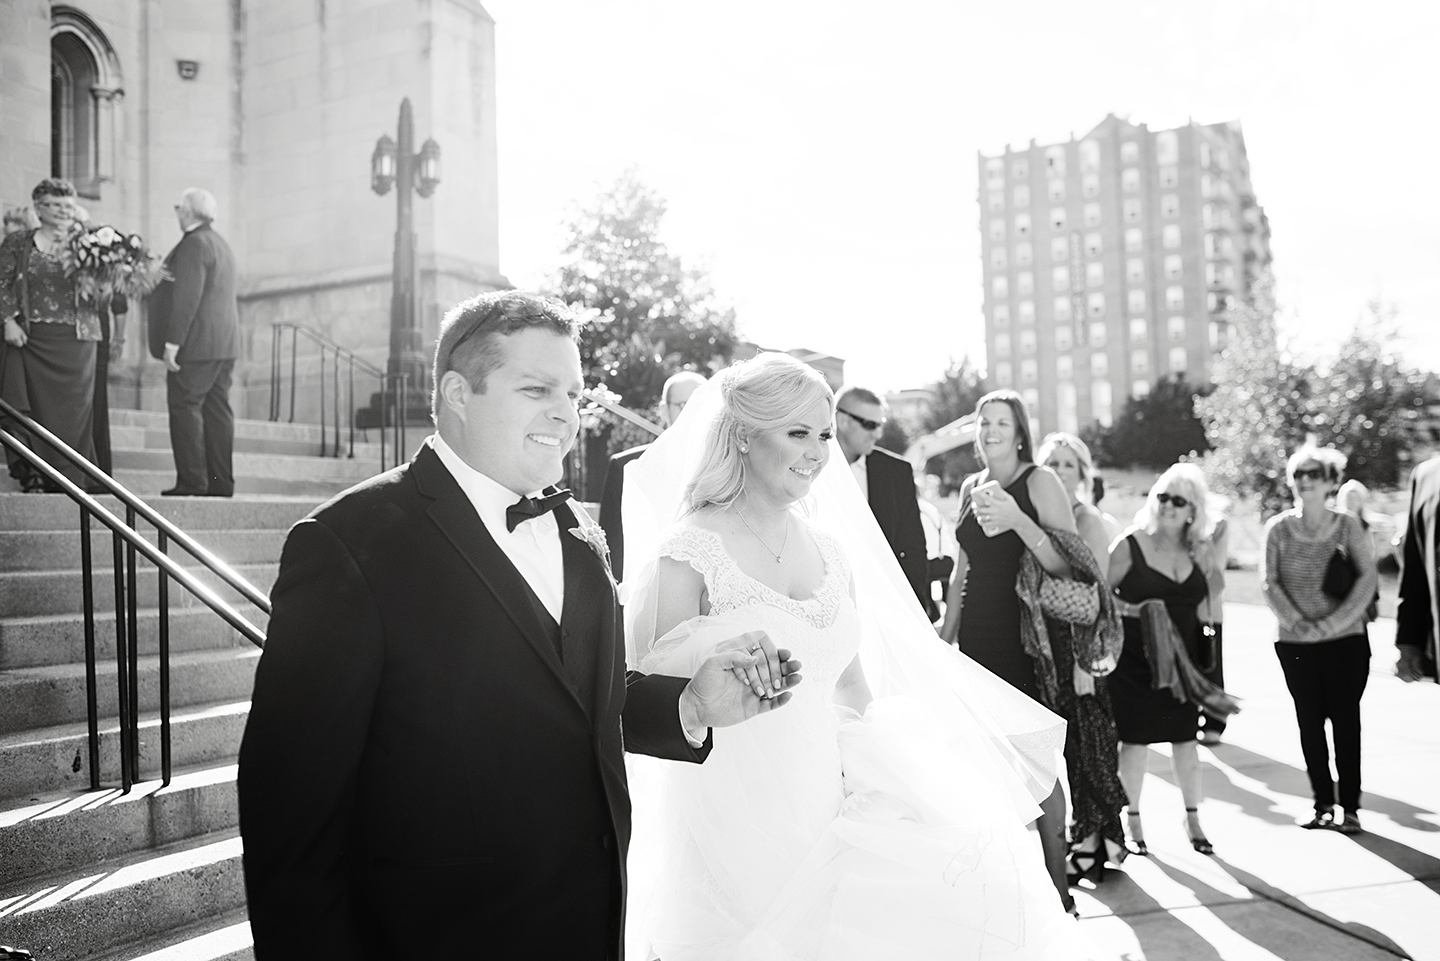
column 395, row 163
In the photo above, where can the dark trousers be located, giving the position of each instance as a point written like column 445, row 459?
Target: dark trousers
column 1214, row 670
column 202, row 426
column 1326, row 681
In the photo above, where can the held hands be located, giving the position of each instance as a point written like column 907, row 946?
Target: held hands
column 745, row 676
column 170, row 351
column 14, row 333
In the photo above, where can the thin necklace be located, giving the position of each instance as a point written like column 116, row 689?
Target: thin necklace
column 741, row 515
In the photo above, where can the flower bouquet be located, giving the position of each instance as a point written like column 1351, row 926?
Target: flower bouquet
column 104, row 262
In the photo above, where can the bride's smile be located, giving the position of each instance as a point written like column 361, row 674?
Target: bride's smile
column 782, row 464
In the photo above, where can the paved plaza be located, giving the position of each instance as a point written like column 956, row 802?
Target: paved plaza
column 1272, row 890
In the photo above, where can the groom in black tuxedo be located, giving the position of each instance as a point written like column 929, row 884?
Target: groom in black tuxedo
column 432, row 766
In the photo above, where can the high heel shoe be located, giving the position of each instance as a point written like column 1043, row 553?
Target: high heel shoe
column 1087, row 862
column 1201, row 844
column 1133, row 844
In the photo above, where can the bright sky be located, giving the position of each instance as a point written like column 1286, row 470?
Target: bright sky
column 819, row 159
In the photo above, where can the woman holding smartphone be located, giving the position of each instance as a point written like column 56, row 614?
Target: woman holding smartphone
column 1005, row 510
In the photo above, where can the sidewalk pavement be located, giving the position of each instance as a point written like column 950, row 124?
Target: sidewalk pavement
column 1273, row 890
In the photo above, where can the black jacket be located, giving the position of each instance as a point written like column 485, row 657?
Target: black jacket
column 197, row 310
column 894, row 503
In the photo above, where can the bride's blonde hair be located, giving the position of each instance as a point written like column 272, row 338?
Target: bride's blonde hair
column 758, row 396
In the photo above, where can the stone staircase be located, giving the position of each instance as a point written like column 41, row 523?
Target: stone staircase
column 154, row 874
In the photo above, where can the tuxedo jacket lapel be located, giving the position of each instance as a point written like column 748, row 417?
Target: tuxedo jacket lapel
column 455, row 516
column 588, row 593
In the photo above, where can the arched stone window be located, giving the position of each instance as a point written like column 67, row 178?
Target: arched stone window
column 85, row 90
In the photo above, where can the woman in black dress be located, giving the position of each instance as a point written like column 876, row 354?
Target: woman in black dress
column 1005, row 511
column 1167, row 556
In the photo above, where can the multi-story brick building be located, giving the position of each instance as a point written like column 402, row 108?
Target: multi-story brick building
column 1109, row 261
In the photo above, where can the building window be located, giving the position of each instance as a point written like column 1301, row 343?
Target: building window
column 1025, row 311
column 1175, row 297
column 1169, row 177
column 1227, row 217
column 1173, row 267
column 1095, row 304
column 1089, row 156
column 1130, row 180
column 1092, row 215
column 1064, row 367
column 1205, row 155
column 1129, row 152
column 1065, row 400
column 1222, row 159
column 995, row 173
column 1135, row 301
column 1022, row 196
column 1100, row 403
column 997, row 258
column 1095, row 274
column 1025, row 283
column 1000, row 286
column 1029, row 371
column 1059, row 249
column 1031, row 397
column 1207, row 216
column 1179, row 360
column 1027, row 341
column 1057, row 219
column 1134, row 271
column 1209, row 245
column 1093, row 246
column 1002, row 345
column 1207, row 186
column 1227, row 246
column 1020, row 168
column 1167, row 147
column 1022, row 225
column 1217, row 333
column 1134, row 240
column 1212, row 274
column 1170, row 206
column 1176, row 328
column 1061, row 310
column 1098, row 334
column 997, row 230
column 1060, row 279
column 1064, row 338
column 1170, row 236
column 1090, row 185
column 1003, row 377
column 1139, row 330
column 1099, row 364
column 997, row 201
column 1139, row 361
column 85, row 90
column 1140, row 389
column 1131, row 209
column 1001, row 315
column 1055, row 161
column 1228, row 275
column 1024, row 254
column 1056, row 191
column 1212, row 301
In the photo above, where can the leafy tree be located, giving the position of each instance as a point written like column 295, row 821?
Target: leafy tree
column 1159, row 429
column 648, row 314
column 955, row 395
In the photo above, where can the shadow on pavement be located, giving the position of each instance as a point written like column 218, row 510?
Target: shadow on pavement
column 1160, row 935
column 1417, row 864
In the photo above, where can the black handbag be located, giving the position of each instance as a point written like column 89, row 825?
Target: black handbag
column 1340, row 575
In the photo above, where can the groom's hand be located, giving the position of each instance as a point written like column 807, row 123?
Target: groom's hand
column 745, row 676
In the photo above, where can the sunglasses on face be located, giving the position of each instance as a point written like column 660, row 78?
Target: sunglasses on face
column 1310, row 473
column 1175, row 499
column 863, row 422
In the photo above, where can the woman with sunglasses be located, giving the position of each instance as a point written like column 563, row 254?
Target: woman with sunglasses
column 47, row 361
column 1323, row 647
column 1167, row 555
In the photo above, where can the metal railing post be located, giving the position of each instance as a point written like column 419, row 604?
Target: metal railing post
column 132, row 630
column 92, row 694
column 162, row 543
column 122, row 665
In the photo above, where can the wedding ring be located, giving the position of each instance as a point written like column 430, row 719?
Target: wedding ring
column 753, row 649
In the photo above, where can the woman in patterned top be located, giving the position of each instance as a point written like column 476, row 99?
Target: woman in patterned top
column 1323, row 647
column 47, row 363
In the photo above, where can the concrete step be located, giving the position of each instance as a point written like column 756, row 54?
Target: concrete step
column 258, row 466
column 157, row 423
column 67, row 831
column 29, row 593
column 50, row 512
column 307, row 444
column 58, row 550
column 38, row 697
column 223, row 938
column 294, row 480
column 93, row 909
column 60, row 638
column 47, row 760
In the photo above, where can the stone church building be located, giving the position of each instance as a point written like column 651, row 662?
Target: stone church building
column 275, row 107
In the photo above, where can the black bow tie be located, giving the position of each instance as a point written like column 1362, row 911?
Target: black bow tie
column 527, row 507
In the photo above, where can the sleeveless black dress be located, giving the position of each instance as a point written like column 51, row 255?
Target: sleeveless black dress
column 1144, row 715
column 990, row 617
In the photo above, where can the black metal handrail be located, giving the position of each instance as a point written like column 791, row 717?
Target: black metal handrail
column 127, row 543
column 334, row 355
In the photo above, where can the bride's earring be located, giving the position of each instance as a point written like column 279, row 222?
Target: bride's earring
column 744, row 449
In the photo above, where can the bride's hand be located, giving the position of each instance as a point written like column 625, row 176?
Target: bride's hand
column 729, row 686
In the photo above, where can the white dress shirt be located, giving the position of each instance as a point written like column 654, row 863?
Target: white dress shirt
column 533, row 546
column 862, row 476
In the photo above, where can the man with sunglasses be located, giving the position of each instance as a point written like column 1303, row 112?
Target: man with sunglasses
column 888, row 484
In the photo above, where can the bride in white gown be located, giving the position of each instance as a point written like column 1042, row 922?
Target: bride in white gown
column 844, row 825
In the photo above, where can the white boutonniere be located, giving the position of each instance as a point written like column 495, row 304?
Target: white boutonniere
column 592, row 534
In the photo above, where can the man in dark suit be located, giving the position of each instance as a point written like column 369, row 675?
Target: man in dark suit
column 674, row 396
column 195, row 329
column 887, row 482
column 1418, row 616
column 432, row 766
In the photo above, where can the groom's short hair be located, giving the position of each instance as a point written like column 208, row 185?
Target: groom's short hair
column 469, row 333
